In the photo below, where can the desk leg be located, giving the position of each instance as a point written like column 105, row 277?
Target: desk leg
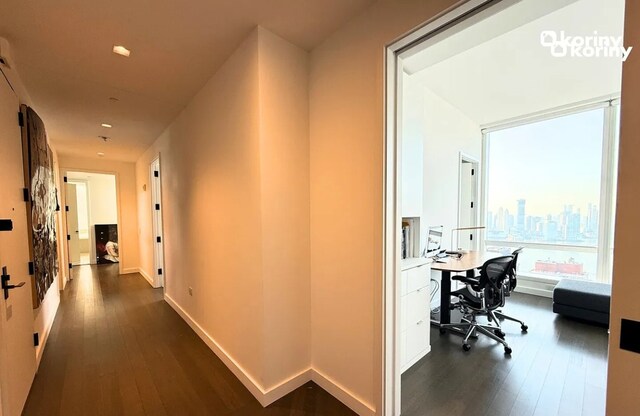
column 445, row 298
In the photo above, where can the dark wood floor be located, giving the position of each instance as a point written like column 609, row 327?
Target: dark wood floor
column 116, row 348
column 557, row 368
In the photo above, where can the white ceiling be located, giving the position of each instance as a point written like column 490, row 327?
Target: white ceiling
column 497, row 69
column 63, row 53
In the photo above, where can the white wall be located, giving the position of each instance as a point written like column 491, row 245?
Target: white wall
column 447, row 132
column 346, row 146
column 235, row 198
column 103, row 207
column 440, row 131
column 284, row 165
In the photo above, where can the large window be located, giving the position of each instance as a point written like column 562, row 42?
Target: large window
column 549, row 188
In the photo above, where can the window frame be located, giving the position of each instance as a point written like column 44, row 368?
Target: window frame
column 608, row 182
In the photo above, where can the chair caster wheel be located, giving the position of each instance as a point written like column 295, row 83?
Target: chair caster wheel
column 499, row 333
column 466, row 347
column 443, row 331
column 524, row 328
column 508, row 350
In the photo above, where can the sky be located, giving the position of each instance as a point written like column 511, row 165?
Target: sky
column 549, row 163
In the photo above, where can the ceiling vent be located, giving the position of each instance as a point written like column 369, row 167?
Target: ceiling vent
column 5, row 53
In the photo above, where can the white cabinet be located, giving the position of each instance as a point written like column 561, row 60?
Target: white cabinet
column 415, row 311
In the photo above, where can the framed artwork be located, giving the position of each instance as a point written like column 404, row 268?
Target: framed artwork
column 42, row 203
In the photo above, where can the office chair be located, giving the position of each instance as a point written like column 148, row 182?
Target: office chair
column 481, row 296
column 510, row 285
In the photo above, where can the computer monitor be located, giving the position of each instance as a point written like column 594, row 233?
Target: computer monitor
column 434, row 240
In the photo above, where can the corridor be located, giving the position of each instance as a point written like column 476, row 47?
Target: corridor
column 117, row 348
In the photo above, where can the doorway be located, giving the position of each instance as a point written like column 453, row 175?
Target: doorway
column 466, row 236
column 92, row 218
column 78, row 222
column 156, row 215
column 457, row 62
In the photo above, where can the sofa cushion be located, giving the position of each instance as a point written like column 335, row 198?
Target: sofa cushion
column 582, row 294
column 582, row 314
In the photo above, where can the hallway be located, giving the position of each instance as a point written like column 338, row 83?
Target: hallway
column 117, row 348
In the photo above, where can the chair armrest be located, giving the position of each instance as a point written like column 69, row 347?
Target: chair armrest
column 466, row 279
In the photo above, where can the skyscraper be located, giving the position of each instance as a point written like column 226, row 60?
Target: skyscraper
column 520, row 217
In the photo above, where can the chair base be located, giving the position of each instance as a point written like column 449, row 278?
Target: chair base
column 473, row 327
column 499, row 315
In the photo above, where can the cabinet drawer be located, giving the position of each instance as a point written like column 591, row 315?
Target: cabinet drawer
column 404, row 282
column 418, row 277
column 417, row 339
column 417, row 306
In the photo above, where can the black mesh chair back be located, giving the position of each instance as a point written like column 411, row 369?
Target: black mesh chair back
column 513, row 271
column 493, row 275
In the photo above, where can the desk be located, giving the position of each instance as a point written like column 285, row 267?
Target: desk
column 467, row 263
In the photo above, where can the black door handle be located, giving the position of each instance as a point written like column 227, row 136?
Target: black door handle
column 6, row 287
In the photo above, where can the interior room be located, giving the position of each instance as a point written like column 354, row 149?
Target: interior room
column 368, row 207
column 485, row 170
column 92, row 207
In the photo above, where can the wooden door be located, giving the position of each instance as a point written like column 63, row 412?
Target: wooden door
column 467, row 207
column 17, row 353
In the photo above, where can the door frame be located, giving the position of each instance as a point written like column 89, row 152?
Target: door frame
column 466, row 158
column 407, row 45
column 64, row 171
column 157, row 230
column 86, row 184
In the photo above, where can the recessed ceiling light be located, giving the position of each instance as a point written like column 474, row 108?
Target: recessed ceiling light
column 121, row 50
column 107, row 125
column 100, row 154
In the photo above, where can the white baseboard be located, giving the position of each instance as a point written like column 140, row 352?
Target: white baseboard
column 147, row 277
column 415, row 359
column 348, row 398
column 264, row 396
column 45, row 334
column 537, row 288
column 142, row 273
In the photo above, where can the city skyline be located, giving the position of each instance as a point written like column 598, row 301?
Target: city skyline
column 552, row 160
column 568, row 223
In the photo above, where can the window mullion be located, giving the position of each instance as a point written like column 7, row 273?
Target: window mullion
column 607, row 192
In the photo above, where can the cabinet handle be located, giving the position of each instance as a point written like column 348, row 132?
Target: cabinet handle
column 420, row 322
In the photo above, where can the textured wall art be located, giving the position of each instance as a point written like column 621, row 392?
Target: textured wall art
column 39, row 178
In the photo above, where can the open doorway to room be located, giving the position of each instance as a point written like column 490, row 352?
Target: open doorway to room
column 92, row 218
column 466, row 234
column 497, row 82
